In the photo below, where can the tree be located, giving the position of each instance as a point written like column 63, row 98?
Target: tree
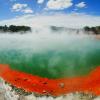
column 13, row 28
column 86, row 28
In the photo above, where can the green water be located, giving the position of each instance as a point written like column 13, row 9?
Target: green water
column 76, row 57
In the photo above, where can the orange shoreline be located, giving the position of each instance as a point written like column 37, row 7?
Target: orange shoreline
column 54, row 87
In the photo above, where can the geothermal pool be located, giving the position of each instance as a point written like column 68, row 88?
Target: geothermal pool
column 50, row 55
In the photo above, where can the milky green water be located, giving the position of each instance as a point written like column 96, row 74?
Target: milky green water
column 53, row 57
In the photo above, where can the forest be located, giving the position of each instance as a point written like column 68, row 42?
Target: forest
column 14, row 28
column 92, row 30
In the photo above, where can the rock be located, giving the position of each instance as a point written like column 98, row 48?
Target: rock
column 97, row 98
column 62, row 85
column 2, row 96
column 9, row 93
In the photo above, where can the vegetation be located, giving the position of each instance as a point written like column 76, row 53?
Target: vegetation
column 55, row 28
column 88, row 30
column 94, row 30
column 13, row 28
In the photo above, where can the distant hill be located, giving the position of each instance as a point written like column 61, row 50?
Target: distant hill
column 13, row 28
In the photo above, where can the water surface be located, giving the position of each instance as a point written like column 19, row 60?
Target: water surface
column 50, row 55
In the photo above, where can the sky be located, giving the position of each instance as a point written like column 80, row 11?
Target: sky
column 14, row 8
column 68, row 12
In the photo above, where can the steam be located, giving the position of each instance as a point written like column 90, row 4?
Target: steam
column 40, row 41
column 66, row 51
column 73, row 20
column 50, row 54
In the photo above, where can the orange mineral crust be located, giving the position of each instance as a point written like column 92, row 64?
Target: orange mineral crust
column 54, row 87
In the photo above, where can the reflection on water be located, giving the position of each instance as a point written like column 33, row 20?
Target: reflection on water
column 50, row 55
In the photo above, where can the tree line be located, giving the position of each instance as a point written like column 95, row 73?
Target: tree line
column 14, row 28
column 94, row 30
